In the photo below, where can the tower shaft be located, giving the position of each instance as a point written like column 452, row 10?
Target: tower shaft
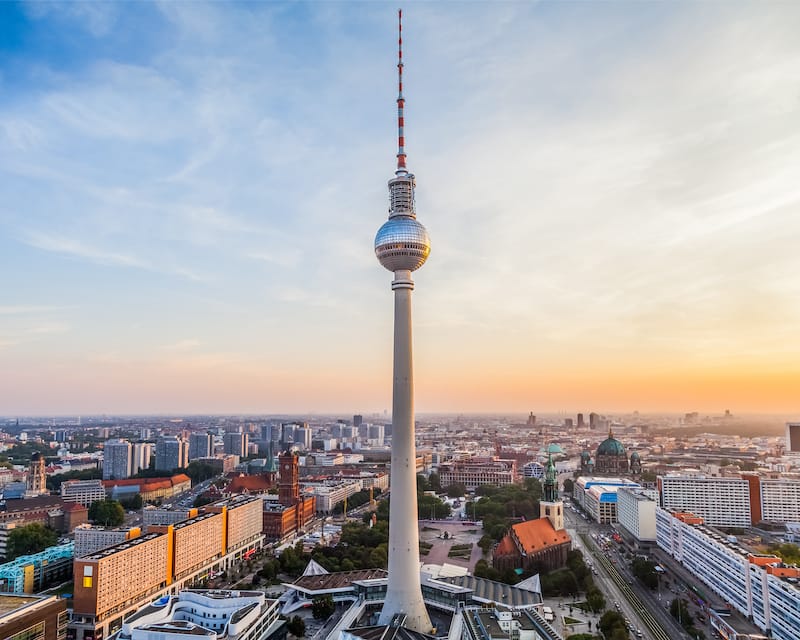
column 404, row 593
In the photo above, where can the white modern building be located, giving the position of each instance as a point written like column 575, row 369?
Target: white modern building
column 598, row 496
column 84, row 492
column 201, row 445
column 722, row 502
column 780, row 500
column 636, row 513
column 141, row 452
column 206, row 615
column 758, row 586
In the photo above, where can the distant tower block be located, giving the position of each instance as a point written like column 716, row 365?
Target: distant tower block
column 581, row 423
column 531, row 420
column 402, row 246
column 793, row 437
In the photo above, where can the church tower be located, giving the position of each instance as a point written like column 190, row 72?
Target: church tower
column 288, row 479
column 550, row 506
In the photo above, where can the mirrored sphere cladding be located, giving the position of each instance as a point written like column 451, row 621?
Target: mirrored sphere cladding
column 402, row 243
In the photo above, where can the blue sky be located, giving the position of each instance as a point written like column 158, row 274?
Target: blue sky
column 190, row 194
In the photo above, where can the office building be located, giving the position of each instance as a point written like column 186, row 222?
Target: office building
column 302, row 437
column 722, row 502
column 171, row 453
column 235, row 444
column 636, row 513
column 331, row 493
column 793, row 437
column 116, row 460
column 201, row 445
column 478, row 471
column 598, row 496
column 83, row 492
column 759, row 586
column 37, row 571
column 33, row 617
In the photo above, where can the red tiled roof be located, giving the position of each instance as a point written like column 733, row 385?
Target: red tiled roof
column 505, row 547
column 535, row 535
column 256, row 483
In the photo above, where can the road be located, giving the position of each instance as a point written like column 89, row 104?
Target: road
column 647, row 616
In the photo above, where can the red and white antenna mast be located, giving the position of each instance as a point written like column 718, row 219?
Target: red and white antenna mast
column 401, row 139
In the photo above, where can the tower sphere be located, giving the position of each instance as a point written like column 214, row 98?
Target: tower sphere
column 402, row 243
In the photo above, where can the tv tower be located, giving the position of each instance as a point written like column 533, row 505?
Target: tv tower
column 402, row 246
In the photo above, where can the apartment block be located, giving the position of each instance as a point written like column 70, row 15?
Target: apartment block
column 722, row 502
column 83, row 492
column 89, row 539
column 759, row 586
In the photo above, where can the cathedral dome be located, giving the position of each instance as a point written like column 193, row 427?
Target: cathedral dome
column 611, row 447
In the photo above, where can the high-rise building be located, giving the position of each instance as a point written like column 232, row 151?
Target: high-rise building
column 793, row 437
column 402, row 246
column 581, row 423
column 302, row 436
column 593, row 420
column 171, row 453
column 116, row 460
column 201, row 445
column 287, row 433
column 236, row 444
column 357, row 420
column 141, row 453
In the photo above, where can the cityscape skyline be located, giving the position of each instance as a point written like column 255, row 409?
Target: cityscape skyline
column 188, row 207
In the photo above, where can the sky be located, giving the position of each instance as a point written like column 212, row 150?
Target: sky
column 190, row 194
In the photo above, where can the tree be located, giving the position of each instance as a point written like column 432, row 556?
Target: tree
column 569, row 486
column 32, row 538
column 645, row 570
column 322, row 607
column 108, row 513
column 486, row 543
column 456, row 490
column 679, row 610
column 595, row 599
column 296, row 626
column 133, row 503
column 435, row 482
column 612, row 624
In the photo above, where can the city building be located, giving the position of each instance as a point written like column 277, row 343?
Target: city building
column 89, row 539
column 83, row 492
column 291, row 511
column 116, row 581
column 33, row 617
column 780, row 500
column 37, row 480
column 720, row 501
column 235, row 444
column 233, row 615
column 151, row 489
column 141, row 452
column 201, row 445
column 636, row 513
column 598, row 496
column 116, row 460
column 331, row 493
column 759, row 586
column 171, row 453
column 478, row 471
column 163, row 515
column 792, row 437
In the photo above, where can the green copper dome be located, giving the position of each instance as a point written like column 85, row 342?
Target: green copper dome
column 610, row 447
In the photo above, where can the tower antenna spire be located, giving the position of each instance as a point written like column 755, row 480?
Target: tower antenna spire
column 401, row 102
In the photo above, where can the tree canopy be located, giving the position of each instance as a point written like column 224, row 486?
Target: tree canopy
column 31, row 538
column 108, row 513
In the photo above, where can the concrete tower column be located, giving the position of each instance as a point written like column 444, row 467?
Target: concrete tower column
column 404, row 595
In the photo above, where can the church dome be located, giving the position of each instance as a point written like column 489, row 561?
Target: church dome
column 635, row 456
column 611, row 447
